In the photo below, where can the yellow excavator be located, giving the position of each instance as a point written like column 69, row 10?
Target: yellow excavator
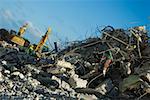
column 15, row 38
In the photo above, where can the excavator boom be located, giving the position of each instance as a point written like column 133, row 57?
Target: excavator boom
column 22, row 29
column 42, row 41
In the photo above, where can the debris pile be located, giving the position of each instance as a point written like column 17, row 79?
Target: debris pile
column 114, row 66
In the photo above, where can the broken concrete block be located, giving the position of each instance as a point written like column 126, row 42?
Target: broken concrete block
column 6, row 71
column 62, row 83
column 33, row 82
column 56, row 70
column 1, row 77
column 20, row 75
column 126, row 68
column 78, row 82
column 4, row 62
column 148, row 76
column 64, row 64
column 105, row 86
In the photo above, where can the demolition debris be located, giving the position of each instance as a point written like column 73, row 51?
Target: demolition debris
column 113, row 66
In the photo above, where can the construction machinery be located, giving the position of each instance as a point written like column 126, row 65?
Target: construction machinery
column 22, row 29
column 13, row 37
column 42, row 41
column 37, row 49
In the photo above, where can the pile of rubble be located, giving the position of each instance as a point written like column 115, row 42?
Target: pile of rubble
column 114, row 66
column 21, row 77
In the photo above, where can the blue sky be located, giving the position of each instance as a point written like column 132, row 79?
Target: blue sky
column 72, row 19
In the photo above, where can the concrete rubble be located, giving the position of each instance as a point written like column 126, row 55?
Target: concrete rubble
column 115, row 66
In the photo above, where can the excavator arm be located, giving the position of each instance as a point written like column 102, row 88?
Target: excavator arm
column 22, row 29
column 42, row 41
